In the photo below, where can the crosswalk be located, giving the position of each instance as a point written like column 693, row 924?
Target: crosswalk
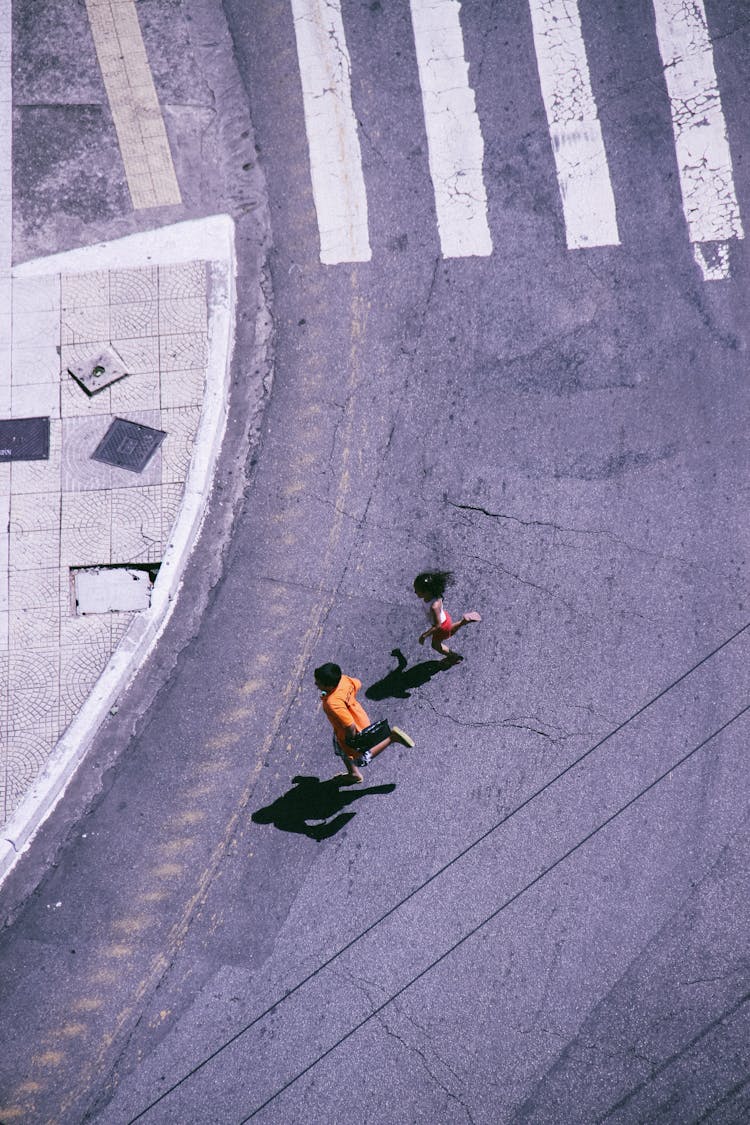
column 456, row 144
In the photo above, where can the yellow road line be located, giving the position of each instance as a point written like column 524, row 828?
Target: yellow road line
column 132, row 99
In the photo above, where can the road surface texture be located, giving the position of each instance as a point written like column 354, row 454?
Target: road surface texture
column 540, row 913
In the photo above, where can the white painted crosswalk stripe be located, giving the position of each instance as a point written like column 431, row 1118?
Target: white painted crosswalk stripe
column 575, row 130
column 335, row 160
column 703, row 156
column 456, row 144
column 454, row 137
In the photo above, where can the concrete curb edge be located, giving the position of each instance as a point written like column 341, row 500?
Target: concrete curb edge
column 210, row 240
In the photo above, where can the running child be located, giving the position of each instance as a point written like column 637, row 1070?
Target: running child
column 348, row 717
column 430, row 587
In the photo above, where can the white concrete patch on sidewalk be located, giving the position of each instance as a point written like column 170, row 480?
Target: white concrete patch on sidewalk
column 172, row 321
column 575, row 129
column 134, row 104
column 338, row 183
column 454, row 134
column 703, row 157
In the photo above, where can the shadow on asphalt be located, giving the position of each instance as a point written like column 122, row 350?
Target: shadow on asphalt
column 397, row 684
column 312, row 799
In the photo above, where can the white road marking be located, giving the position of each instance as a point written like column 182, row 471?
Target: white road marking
column 338, row 183
column 135, row 107
column 575, row 129
column 454, row 135
column 700, row 132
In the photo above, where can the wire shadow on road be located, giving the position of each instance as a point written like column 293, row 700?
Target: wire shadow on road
column 398, row 683
column 311, row 799
column 460, row 854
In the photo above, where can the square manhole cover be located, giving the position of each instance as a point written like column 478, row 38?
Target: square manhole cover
column 24, row 439
column 98, row 371
column 128, row 445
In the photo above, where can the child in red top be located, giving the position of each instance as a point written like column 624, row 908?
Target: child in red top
column 430, row 587
column 347, row 716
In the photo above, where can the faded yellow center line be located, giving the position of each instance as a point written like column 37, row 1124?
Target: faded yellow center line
column 236, row 713
column 134, row 104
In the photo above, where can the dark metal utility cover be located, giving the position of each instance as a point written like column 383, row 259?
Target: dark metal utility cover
column 99, row 371
column 128, row 445
column 24, row 439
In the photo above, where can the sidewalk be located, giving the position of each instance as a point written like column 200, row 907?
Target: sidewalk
column 162, row 303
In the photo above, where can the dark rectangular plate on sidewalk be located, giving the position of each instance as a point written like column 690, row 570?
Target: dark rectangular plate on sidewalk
column 128, row 445
column 24, row 439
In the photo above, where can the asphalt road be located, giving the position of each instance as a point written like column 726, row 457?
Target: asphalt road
column 540, row 913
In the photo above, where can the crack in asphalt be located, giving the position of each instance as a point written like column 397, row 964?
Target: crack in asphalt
column 594, row 531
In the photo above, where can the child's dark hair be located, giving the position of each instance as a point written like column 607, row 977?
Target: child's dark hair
column 328, row 675
column 432, row 582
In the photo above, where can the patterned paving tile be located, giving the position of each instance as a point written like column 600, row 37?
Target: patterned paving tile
column 136, row 525
column 86, row 528
column 183, row 350
column 182, row 314
column 75, row 403
column 79, row 290
column 32, row 512
column 72, row 511
column 141, row 354
column 82, row 324
column 129, row 286
column 32, row 679
column 135, row 319
column 34, row 589
column 182, row 388
column 136, row 393
column 34, row 628
column 186, row 279
column 33, row 550
column 181, row 425
column 80, row 668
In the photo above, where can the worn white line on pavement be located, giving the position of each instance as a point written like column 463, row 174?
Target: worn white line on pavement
column 135, row 107
column 338, row 183
column 575, row 129
column 454, row 135
column 700, row 133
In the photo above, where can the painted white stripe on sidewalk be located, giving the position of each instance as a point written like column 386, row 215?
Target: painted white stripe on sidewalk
column 454, row 135
column 335, row 159
column 575, row 130
column 700, row 132
column 135, row 107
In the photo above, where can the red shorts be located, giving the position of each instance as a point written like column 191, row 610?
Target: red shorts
column 444, row 631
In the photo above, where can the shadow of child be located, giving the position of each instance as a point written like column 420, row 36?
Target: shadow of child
column 310, row 799
column 396, row 684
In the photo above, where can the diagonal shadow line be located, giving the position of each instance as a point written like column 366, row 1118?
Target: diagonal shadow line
column 676, row 1056
column 730, row 1095
column 436, row 874
column 503, row 906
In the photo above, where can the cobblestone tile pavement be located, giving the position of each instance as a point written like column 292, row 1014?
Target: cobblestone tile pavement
column 70, row 511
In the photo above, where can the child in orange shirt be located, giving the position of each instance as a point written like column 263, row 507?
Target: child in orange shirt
column 348, row 717
column 430, row 587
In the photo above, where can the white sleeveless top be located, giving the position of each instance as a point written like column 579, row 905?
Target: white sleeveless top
column 441, row 616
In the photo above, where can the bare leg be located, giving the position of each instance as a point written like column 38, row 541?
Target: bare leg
column 396, row 735
column 465, row 620
column 352, row 773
